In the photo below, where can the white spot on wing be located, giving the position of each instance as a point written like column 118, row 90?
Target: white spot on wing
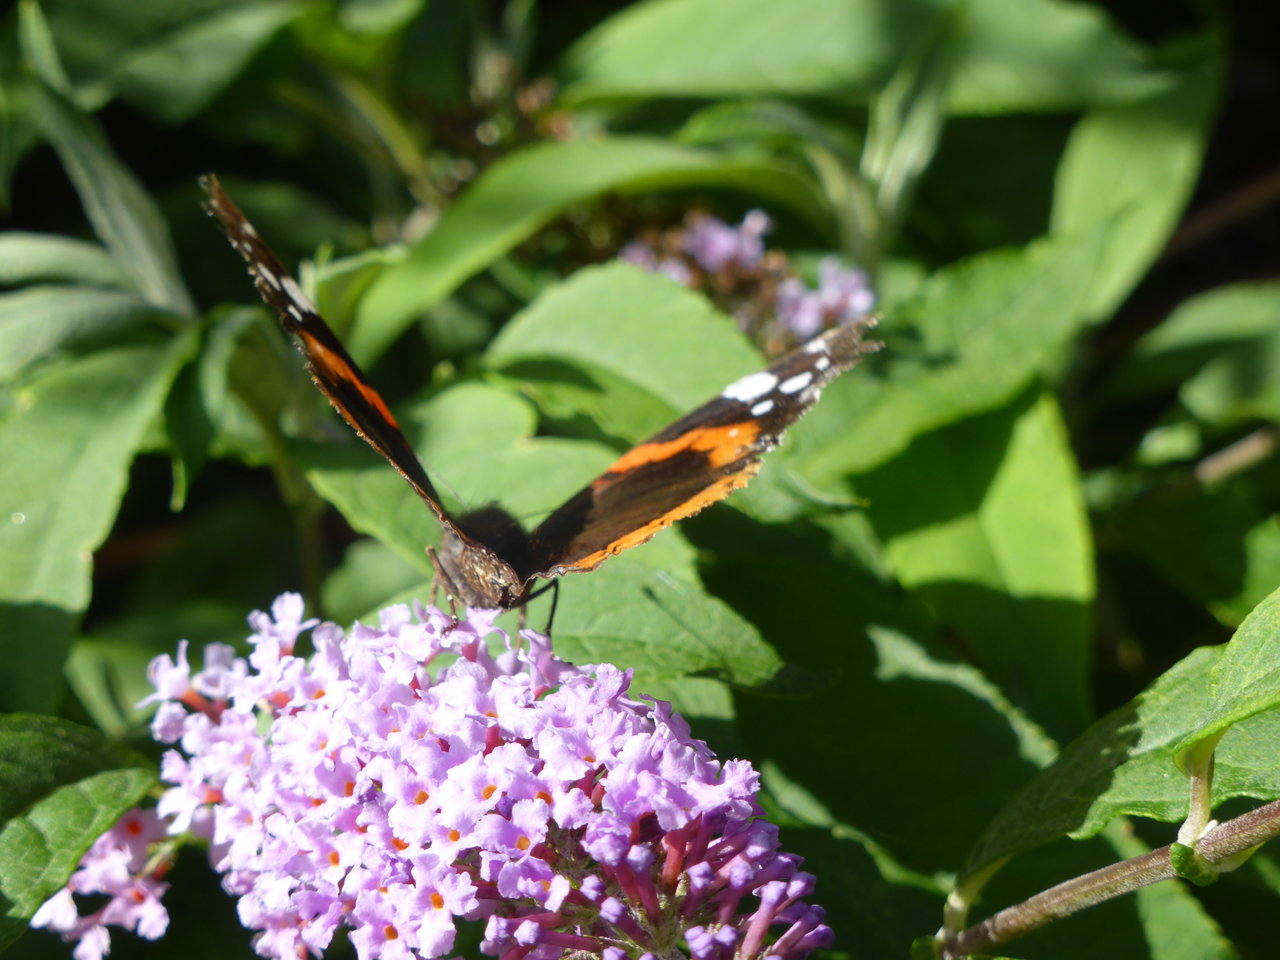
column 797, row 383
column 750, row 388
column 270, row 277
column 295, row 292
column 816, row 345
column 821, row 363
column 761, row 408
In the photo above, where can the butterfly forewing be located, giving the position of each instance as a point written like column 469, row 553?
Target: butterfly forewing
column 697, row 461
column 328, row 362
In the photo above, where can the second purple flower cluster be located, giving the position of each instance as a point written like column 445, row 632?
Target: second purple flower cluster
column 732, row 262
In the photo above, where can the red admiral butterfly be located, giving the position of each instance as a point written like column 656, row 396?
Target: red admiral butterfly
column 486, row 559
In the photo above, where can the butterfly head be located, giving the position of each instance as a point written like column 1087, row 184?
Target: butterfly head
column 471, row 558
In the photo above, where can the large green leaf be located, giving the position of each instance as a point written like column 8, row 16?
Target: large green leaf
column 169, row 59
column 69, row 433
column 637, row 327
column 124, row 216
column 369, row 575
column 62, row 786
column 630, row 614
column 1047, row 55
column 1216, row 544
column 1134, row 166
column 1125, row 764
column 37, row 321
column 19, row 128
column 1246, row 681
column 519, row 194
column 1001, row 553
column 979, row 332
column 181, row 70
column 39, row 754
column 660, row 48
column 1017, row 55
column 29, row 257
column 40, row 849
column 1224, row 333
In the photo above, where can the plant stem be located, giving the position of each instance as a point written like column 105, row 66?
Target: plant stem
column 1217, row 846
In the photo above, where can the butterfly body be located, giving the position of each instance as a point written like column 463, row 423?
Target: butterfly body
column 485, row 559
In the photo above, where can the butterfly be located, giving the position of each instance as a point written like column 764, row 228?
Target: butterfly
column 485, row 558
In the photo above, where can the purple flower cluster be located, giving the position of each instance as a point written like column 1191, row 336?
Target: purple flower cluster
column 842, row 297
column 733, row 258
column 117, row 866
column 356, row 789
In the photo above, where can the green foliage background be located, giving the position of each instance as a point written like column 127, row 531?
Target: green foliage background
column 1022, row 533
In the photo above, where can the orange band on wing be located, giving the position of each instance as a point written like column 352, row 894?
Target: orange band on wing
column 337, row 368
column 724, row 445
column 712, row 494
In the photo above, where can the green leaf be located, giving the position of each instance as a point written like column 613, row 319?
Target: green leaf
column 905, row 122
column 198, row 400
column 28, row 257
column 630, row 614
column 125, row 218
column 1047, row 56
column 1001, row 553
column 175, row 74
column 1134, row 166
column 1125, row 765
column 983, row 329
column 770, row 121
column 1017, row 55
column 1246, row 681
column 40, row 849
column 109, row 677
column 1216, row 544
column 639, row 328
column 525, row 190
column 1220, row 332
column 38, row 48
column 370, row 574
column 36, row 322
column 170, row 60
column 1241, row 385
column 660, row 49
column 74, row 427
column 39, row 754
column 19, row 130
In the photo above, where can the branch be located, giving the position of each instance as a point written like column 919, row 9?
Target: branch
column 1218, row 846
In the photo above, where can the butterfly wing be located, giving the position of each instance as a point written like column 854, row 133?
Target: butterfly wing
column 475, row 573
column 697, row 461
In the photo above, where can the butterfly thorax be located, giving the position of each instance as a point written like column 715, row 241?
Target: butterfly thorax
column 472, row 560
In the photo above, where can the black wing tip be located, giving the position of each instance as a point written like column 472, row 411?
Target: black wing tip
column 845, row 344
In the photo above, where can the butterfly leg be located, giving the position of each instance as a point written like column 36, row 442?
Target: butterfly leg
column 450, row 591
column 554, row 587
